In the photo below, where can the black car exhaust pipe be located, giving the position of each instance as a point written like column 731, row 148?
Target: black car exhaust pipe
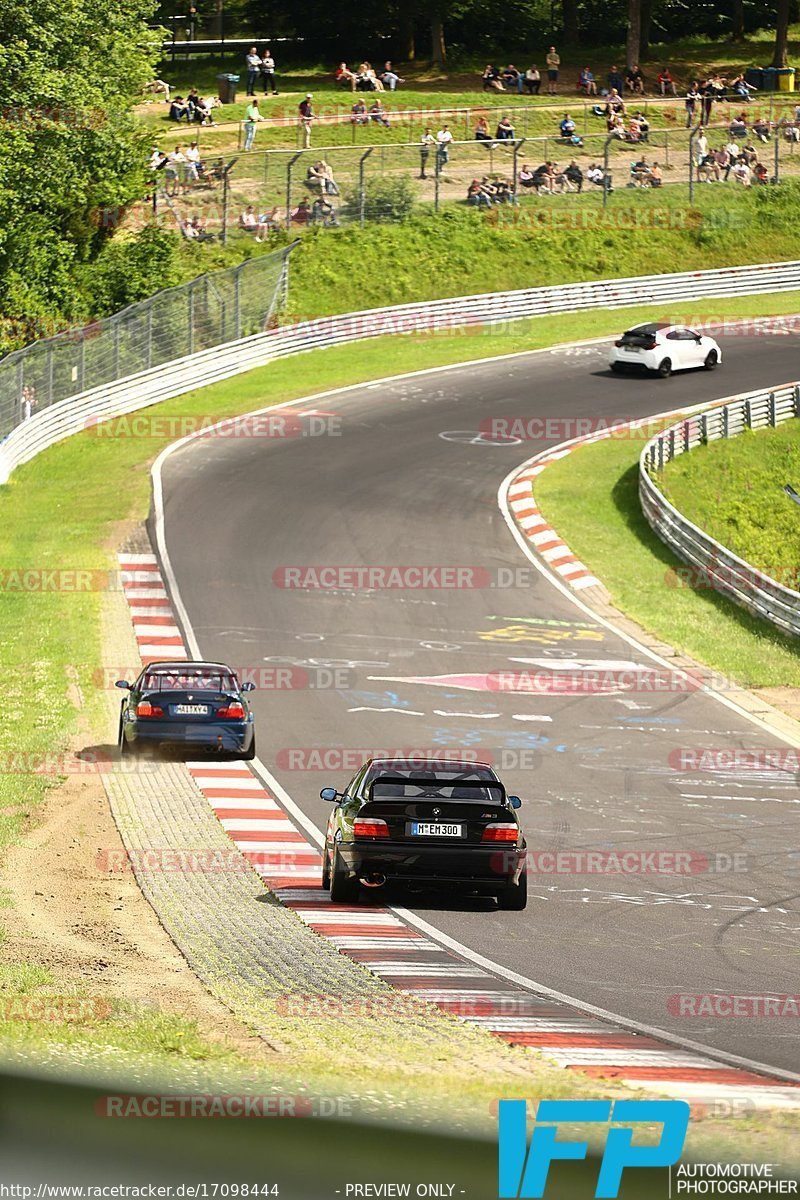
column 375, row 880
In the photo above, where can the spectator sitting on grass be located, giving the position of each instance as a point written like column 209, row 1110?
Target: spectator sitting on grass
column 544, row 178
column 723, row 160
column 248, row 221
column 761, row 129
column 533, row 80
column 491, row 79
column 742, row 89
column 204, row 110
column 390, row 78
column 302, row 214
column 616, row 126
column 345, row 77
column 267, row 222
column 614, row 104
column 323, row 213
column 615, row 81
column 503, row 191
column 644, row 126
column 505, row 130
column 741, row 173
column 666, row 83
column 178, row 109
column 586, row 82
column 320, row 176
column 477, row 195
column 377, row 113
column 656, row 176
column 359, row 114
column 573, row 176
column 595, row 175
column 197, row 232
column 526, row 176
column 512, row 78
column 482, row 130
column 749, row 154
column 761, row 173
column 634, row 80
column 367, row 79
column 738, row 126
column 567, row 127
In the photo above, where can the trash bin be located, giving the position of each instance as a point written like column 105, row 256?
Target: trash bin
column 226, row 88
column 755, row 77
column 768, row 75
column 785, row 79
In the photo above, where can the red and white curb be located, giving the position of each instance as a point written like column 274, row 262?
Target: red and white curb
column 417, row 966
column 154, row 624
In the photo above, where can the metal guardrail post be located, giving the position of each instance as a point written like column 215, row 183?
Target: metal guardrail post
column 725, row 422
column 748, row 414
column 606, row 152
column 190, row 319
column 362, row 186
column 704, row 428
column 289, row 168
column 797, row 399
column 772, row 410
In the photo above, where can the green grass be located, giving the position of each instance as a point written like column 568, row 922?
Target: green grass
column 733, row 489
column 591, row 498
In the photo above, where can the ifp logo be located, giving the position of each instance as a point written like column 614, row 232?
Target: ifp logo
column 523, row 1171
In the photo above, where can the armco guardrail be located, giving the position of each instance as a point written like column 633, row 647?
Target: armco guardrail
column 453, row 315
column 717, row 566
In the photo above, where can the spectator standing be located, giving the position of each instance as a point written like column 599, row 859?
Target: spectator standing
column 306, row 110
column 251, row 118
column 690, row 102
column 253, row 60
column 268, row 72
column 443, row 139
column 707, row 97
column 553, row 65
column 533, row 80
column 27, row 403
column 425, row 144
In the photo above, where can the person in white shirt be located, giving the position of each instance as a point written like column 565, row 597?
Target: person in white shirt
column 741, row 173
column 443, row 139
column 253, row 60
column 268, row 72
column 175, row 171
column 248, row 220
column 192, row 156
column 425, row 144
column 702, row 147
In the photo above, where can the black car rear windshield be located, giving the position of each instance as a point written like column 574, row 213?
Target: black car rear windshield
column 443, row 786
column 190, row 681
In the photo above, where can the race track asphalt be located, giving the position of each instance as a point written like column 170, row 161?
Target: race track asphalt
column 596, row 772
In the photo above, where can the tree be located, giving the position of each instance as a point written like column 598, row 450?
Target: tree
column 569, row 19
column 737, row 21
column 780, row 56
column 438, row 45
column 634, row 45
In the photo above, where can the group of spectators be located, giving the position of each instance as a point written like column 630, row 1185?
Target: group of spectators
column 260, row 66
column 193, row 108
column 318, row 212
column 729, row 159
column 182, row 167
column 509, row 79
column 367, row 79
column 376, row 113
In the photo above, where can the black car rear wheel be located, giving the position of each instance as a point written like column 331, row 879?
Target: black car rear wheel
column 344, row 890
column 514, row 897
column 124, row 749
column 326, row 870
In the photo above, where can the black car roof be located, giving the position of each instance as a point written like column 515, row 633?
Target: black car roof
column 444, row 764
column 191, row 665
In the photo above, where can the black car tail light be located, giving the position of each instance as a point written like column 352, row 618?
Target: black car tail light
column 146, row 709
column 233, row 711
column 499, row 831
column 370, row 827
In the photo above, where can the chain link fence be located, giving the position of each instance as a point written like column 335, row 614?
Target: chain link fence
column 211, row 310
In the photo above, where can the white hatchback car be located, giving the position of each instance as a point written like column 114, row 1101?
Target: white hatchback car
column 664, row 348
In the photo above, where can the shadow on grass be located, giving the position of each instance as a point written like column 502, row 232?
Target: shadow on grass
column 625, row 495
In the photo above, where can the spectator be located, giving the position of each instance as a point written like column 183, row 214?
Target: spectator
column 27, row 402
column 615, row 81
column 544, row 178
column 690, row 102
column 707, row 168
column 302, row 214
column 614, row 104
column 323, row 213
column 553, row 64
column 742, row 89
column 248, row 221
column 526, row 176
column 503, row 191
column 306, row 111
column 193, row 102
column 761, row 129
column 390, row 78
column 533, row 80
column 574, row 176
column 425, row 144
column 760, row 173
column 253, row 60
column 482, row 130
column 723, row 160
column 345, row 77
column 157, row 87
column 666, row 83
column 567, row 127
column 640, row 173
column 512, row 78
column 586, row 82
column 319, row 178
column 644, row 126
column 616, row 126
column 267, row 223
column 251, row 118
column 194, row 167
column 205, row 108
column 359, row 114
column 367, row 79
column 157, row 160
column 174, row 174
column 749, row 154
column 656, row 177
column 634, row 80
column 594, row 174
column 178, row 109
column 478, row 196
column 197, row 232
column 707, row 97
column 377, row 113
column 741, row 173
column 491, row 79
column 443, row 139
column 738, row 126
column 268, row 72
column 505, row 130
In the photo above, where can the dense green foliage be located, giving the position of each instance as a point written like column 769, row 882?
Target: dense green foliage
column 70, row 148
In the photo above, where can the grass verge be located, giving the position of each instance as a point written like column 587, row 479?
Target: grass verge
column 733, row 489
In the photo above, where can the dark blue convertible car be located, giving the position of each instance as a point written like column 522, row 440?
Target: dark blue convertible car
column 194, row 705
